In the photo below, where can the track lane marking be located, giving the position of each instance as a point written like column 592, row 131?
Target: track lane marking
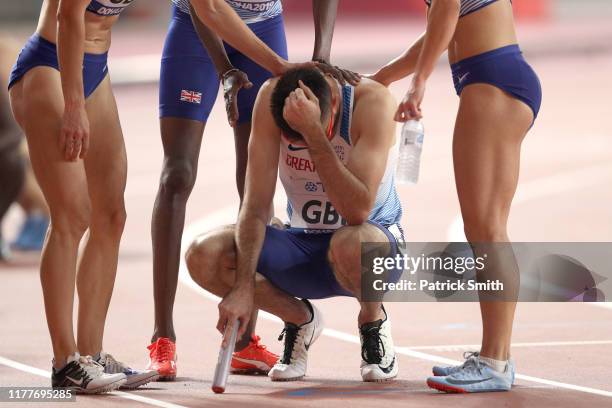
column 546, row 186
column 47, row 374
column 455, row 347
column 227, row 216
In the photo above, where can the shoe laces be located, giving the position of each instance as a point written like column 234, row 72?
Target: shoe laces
column 111, row 364
column 90, row 366
column 255, row 341
column 372, row 346
column 473, row 364
column 469, row 354
column 290, row 334
column 163, row 350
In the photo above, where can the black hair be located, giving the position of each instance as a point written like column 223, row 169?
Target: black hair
column 287, row 83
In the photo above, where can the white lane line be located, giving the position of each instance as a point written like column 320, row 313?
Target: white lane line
column 47, row 374
column 466, row 347
column 227, row 216
column 535, row 189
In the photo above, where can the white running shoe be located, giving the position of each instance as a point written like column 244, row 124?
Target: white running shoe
column 298, row 339
column 85, row 376
column 134, row 378
column 378, row 359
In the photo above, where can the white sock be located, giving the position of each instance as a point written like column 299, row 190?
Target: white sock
column 497, row 365
column 62, row 364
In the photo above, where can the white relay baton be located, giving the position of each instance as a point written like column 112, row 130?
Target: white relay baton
column 225, row 357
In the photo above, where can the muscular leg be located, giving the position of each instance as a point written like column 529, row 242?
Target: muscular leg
column 242, row 133
column 12, row 175
column 38, row 107
column 12, row 166
column 106, row 168
column 31, row 198
column 182, row 139
column 486, row 160
column 345, row 257
column 211, row 261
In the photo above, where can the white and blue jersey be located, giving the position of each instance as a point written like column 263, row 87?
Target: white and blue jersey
column 108, row 8
column 469, row 6
column 309, row 207
column 250, row 11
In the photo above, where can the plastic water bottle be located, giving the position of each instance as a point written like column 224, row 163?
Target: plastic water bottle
column 410, row 149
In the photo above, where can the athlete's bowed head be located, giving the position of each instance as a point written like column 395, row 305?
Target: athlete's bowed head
column 288, row 96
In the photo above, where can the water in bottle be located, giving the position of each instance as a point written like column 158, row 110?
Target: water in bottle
column 410, row 148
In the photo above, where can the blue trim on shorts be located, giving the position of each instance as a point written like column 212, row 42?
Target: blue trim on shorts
column 504, row 68
column 297, row 262
column 186, row 65
column 39, row 52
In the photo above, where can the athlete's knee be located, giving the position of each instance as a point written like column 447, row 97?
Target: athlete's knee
column 71, row 220
column 485, row 229
column 110, row 220
column 344, row 255
column 205, row 258
column 178, row 177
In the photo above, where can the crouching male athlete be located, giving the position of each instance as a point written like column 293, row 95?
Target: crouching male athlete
column 330, row 145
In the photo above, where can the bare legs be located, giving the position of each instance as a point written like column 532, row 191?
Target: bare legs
column 211, row 263
column 69, row 189
column 486, row 159
column 182, row 141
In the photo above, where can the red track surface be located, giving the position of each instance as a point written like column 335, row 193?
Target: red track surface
column 564, row 196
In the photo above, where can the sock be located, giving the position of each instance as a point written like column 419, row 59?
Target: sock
column 68, row 360
column 497, row 365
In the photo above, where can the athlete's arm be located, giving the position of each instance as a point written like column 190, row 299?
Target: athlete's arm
column 401, row 66
column 441, row 24
column 74, row 135
column 213, row 44
column 324, row 16
column 352, row 188
column 223, row 20
column 260, row 184
column 232, row 79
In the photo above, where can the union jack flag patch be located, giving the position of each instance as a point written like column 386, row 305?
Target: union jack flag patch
column 191, row 96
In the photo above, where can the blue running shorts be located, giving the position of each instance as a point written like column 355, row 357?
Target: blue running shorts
column 40, row 52
column 504, row 68
column 297, row 262
column 189, row 82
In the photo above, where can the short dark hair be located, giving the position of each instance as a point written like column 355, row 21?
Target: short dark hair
column 287, row 83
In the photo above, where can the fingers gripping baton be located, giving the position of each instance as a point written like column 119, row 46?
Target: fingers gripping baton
column 225, row 357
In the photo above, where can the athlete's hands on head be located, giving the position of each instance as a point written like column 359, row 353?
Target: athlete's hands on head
column 237, row 304
column 410, row 107
column 302, row 111
column 74, row 134
column 233, row 81
column 342, row 75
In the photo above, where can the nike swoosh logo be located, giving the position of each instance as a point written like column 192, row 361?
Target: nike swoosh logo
column 466, row 382
column 463, row 77
column 259, row 364
column 79, row 383
column 389, row 368
column 296, row 149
